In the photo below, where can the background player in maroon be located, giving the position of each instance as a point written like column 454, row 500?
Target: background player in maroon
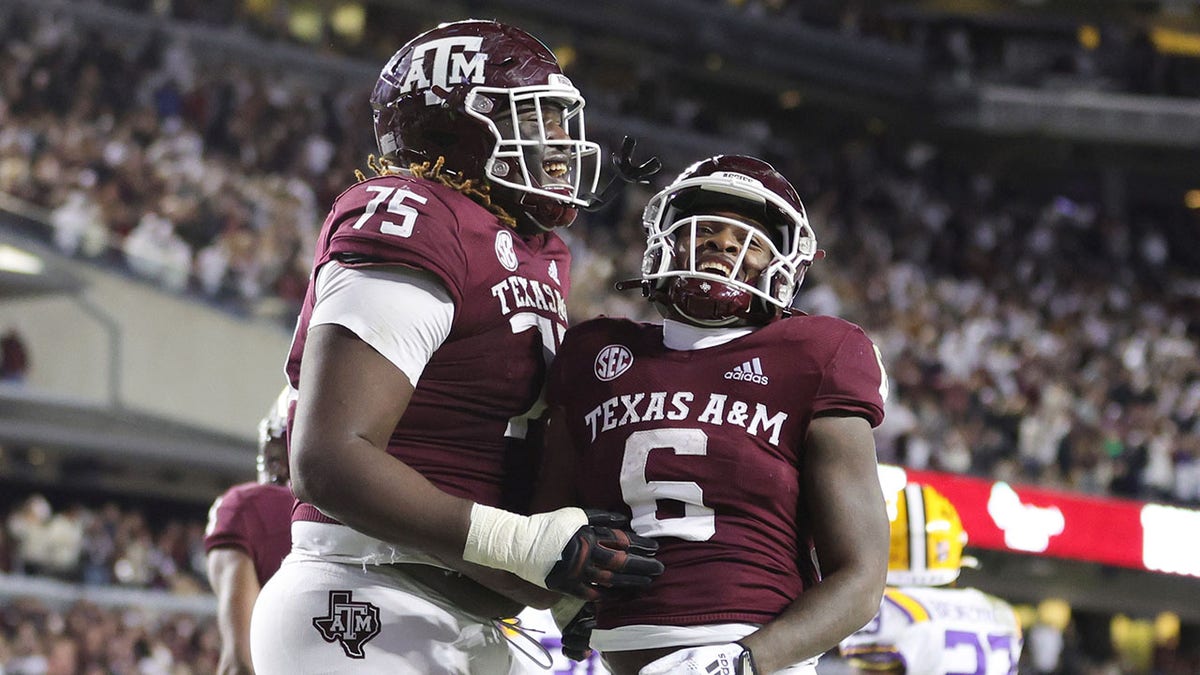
column 737, row 433
column 437, row 298
column 247, row 537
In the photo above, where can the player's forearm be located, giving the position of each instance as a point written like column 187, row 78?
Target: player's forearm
column 235, row 584
column 821, row 617
column 241, row 637
column 363, row 487
column 510, row 586
column 383, row 497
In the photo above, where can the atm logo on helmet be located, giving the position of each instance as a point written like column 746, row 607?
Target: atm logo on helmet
column 440, row 63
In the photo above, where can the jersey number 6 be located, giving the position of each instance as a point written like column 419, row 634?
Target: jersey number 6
column 698, row 522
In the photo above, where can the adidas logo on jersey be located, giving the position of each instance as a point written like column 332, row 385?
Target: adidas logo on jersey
column 750, row 371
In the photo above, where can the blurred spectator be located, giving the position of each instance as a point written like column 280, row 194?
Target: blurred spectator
column 100, row 546
column 27, row 528
column 79, row 226
column 1044, row 643
column 14, row 357
column 64, row 541
column 28, row 652
column 155, row 251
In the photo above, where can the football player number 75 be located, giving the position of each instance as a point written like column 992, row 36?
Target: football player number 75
column 395, row 206
column 698, row 522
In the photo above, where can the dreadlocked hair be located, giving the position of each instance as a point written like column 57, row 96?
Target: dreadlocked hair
column 479, row 191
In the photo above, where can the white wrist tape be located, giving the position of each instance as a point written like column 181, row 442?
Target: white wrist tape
column 527, row 546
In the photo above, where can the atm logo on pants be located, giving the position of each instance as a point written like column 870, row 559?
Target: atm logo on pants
column 351, row 623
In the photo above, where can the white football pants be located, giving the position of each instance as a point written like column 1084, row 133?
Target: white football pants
column 316, row 616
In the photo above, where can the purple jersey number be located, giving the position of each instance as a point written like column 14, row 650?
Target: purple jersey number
column 995, row 643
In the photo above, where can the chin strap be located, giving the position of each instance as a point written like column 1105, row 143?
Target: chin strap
column 756, row 313
column 548, row 216
column 626, row 171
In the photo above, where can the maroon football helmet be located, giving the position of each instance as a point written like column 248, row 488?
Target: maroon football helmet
column 461, row 91
column 715, row 296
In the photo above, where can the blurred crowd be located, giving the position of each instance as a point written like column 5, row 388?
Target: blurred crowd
column 84, row 638
column 106, row 546
column 207, row 182
column 1031, row 335
column 1138, row 48
column 1120, row 48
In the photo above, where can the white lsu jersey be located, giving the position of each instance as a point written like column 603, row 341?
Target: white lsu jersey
column 938, row 631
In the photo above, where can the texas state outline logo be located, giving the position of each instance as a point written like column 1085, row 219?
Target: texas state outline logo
column 353, row 624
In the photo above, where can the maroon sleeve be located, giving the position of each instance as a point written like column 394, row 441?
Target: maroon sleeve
column 230, row 521
column 394, row 220
column 255, row 519
column 853, row 380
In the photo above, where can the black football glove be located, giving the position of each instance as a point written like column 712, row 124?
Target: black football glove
column 577, row 634
column 604, row 555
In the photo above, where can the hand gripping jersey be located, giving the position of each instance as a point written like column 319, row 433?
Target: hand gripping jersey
column 938, row 631
column 485, row 381
column 703, row 449
column 255, row 518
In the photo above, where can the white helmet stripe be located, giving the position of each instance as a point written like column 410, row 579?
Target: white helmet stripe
column 916, row 527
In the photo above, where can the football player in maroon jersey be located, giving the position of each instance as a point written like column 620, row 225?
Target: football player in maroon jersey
column 436, row 299
column 247, row 537
column 737, row 434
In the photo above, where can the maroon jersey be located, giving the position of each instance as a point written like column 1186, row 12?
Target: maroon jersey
column 703, row 450
column 509, row 293
column 255, row 518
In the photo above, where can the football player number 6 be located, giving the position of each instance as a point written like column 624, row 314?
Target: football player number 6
column 698, row 522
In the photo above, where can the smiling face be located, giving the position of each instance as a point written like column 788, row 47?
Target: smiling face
column 548, row 163
column 717, row 260
column 726, row 244
column 546, row 159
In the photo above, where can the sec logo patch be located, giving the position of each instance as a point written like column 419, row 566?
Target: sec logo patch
column 612, row 361
column 504, row 250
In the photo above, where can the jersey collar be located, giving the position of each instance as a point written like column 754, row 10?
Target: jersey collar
column 682, row 336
